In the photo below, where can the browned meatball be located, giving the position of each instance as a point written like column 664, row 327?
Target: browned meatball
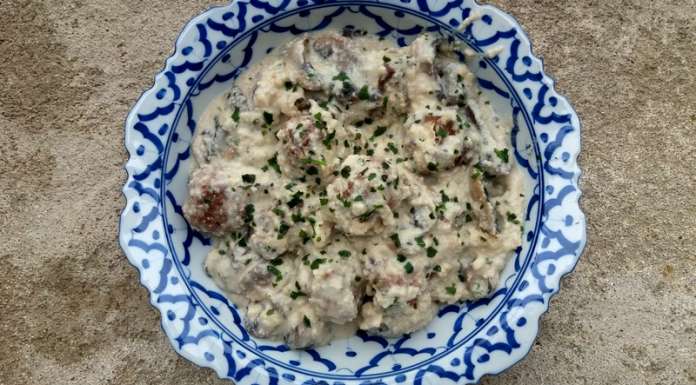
column 214, row 205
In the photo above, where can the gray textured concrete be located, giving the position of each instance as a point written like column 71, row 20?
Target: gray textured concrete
column 71, row 308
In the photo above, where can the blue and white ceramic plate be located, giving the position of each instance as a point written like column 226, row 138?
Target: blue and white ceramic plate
column 465, row 341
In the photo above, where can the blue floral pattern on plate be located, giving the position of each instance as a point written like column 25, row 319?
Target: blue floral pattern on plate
column 466, row 340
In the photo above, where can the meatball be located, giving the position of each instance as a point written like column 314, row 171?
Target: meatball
column 402, row 317
column 437, row 142
column 306, row 144
column 363, row 195
column 245, row 273
column 305, row 328
column 388, row 279
column 333, row 291
column 214, row 205
column 211, row 140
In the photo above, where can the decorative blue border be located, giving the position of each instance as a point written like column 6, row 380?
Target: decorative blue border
column 270, row 364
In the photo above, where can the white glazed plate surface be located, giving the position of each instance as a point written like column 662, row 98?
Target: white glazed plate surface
column 465, row 341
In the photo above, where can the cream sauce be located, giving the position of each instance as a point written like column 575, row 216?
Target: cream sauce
column 351, row 183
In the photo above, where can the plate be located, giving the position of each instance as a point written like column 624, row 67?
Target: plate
column 465, row 341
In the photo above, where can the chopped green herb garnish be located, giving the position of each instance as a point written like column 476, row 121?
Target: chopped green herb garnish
column 318, row 162
column 512, row 218
column 503, row 154
column 288, row 85
column 312, row 170
column 276, row 261
column 268, row 117
column 363, row 94
column 408, row 267
column 316, row 263
column 445, row 198
column 329, row 137
column 296, row 199
column 282, row 230
column 297, row 294
column 386, row 59
column 420, row 242
column 248, row 213
column 385, row 100
column 477, row 172
column 249, row 178
column 235, row 115
column 323, row 201
column 274, row 270
column 364, row 217
column 451, row 290
column 279, row 212
column 304, row 236
column 345, row 172
column 432, row 166
column 371, row 176
column 442, row 133
column 318, row 121
column 437, row 268
column 431, row 251
column 400, row 257
column 344, row 253
column 395, row 238
column 273, row 163
column 379, row 131
column 392, row 147
column 307, row 322
column 341, row 77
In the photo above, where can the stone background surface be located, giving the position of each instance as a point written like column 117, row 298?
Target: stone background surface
column 71, row 308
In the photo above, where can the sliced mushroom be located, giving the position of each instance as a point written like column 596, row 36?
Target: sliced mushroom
column 483, row 209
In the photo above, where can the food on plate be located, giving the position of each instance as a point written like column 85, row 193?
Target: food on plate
column 350, row 183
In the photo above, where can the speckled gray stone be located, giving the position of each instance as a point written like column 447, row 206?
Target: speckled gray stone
column 71, row 308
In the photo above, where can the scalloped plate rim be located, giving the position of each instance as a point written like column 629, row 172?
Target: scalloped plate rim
column 546, row 78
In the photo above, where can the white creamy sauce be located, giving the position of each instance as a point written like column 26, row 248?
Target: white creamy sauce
column 351, row 183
